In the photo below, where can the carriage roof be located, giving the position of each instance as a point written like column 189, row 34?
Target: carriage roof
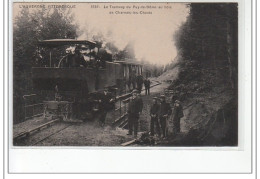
column 62, row 42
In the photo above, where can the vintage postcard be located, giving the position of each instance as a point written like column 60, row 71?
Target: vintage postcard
column 125, row 74
column 129, row 87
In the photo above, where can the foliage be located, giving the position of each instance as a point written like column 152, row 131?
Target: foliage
column 28, row 28
column 207, row 44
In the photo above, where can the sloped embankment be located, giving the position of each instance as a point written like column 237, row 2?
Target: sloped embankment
column 212, row 122
column 210, row 114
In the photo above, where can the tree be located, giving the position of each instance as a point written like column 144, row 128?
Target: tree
column 28, row 28
column 207, row 44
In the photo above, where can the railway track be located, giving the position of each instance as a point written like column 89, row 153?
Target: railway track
column 41, row 133
column 38, row 135
column 48, row 136
column 36, row 129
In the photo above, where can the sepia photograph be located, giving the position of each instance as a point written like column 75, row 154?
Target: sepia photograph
column 124, row 74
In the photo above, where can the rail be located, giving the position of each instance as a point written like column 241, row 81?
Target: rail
column 48, row 136
column 23, row 136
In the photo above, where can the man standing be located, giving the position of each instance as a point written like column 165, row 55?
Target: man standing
column 154, row 112
column 76, row 59
column 177, row 115
column 165, row 111
column 139, row 82
column 147, row 84
column 134, row 109
column 105, row 102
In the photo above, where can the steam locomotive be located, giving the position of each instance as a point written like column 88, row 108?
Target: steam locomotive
column 73, row 89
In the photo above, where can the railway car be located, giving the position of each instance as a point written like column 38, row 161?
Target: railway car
column 71, row 90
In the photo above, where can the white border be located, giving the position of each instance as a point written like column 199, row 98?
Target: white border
column 169, row 160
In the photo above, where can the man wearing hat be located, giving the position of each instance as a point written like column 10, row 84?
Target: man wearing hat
column 154, row 112
column 134, row 109
column 147, row 84
column 76, row 59
column 139, row 82
column 165, row 111
column 105, row 102
column 177, row 115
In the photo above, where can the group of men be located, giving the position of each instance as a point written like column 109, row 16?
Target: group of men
column 146, row 82
column 138, row 83
column 160, row 113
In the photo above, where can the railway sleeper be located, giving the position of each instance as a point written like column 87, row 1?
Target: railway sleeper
column 119, row 119
column 123, row 123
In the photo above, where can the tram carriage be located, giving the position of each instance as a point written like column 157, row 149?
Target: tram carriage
column 70, row 91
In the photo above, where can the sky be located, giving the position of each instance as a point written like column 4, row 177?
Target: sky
column 151, row 34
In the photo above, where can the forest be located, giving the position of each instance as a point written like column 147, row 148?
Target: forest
column 207, row 44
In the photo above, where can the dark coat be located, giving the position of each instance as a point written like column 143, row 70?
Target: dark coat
column 165, row 109
column 75, row 60
column 147, row 83
column 105, row 103
column 139, row 80
column 177, row 112
column 155, row 109
column 135, row 106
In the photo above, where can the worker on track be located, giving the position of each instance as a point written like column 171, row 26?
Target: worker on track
column 76, row 59
column 165, row 111
column 154, row 113
column 147, row 84
column 106, row 101
column 177, row 115
column 134, row 109
column 139, row 82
